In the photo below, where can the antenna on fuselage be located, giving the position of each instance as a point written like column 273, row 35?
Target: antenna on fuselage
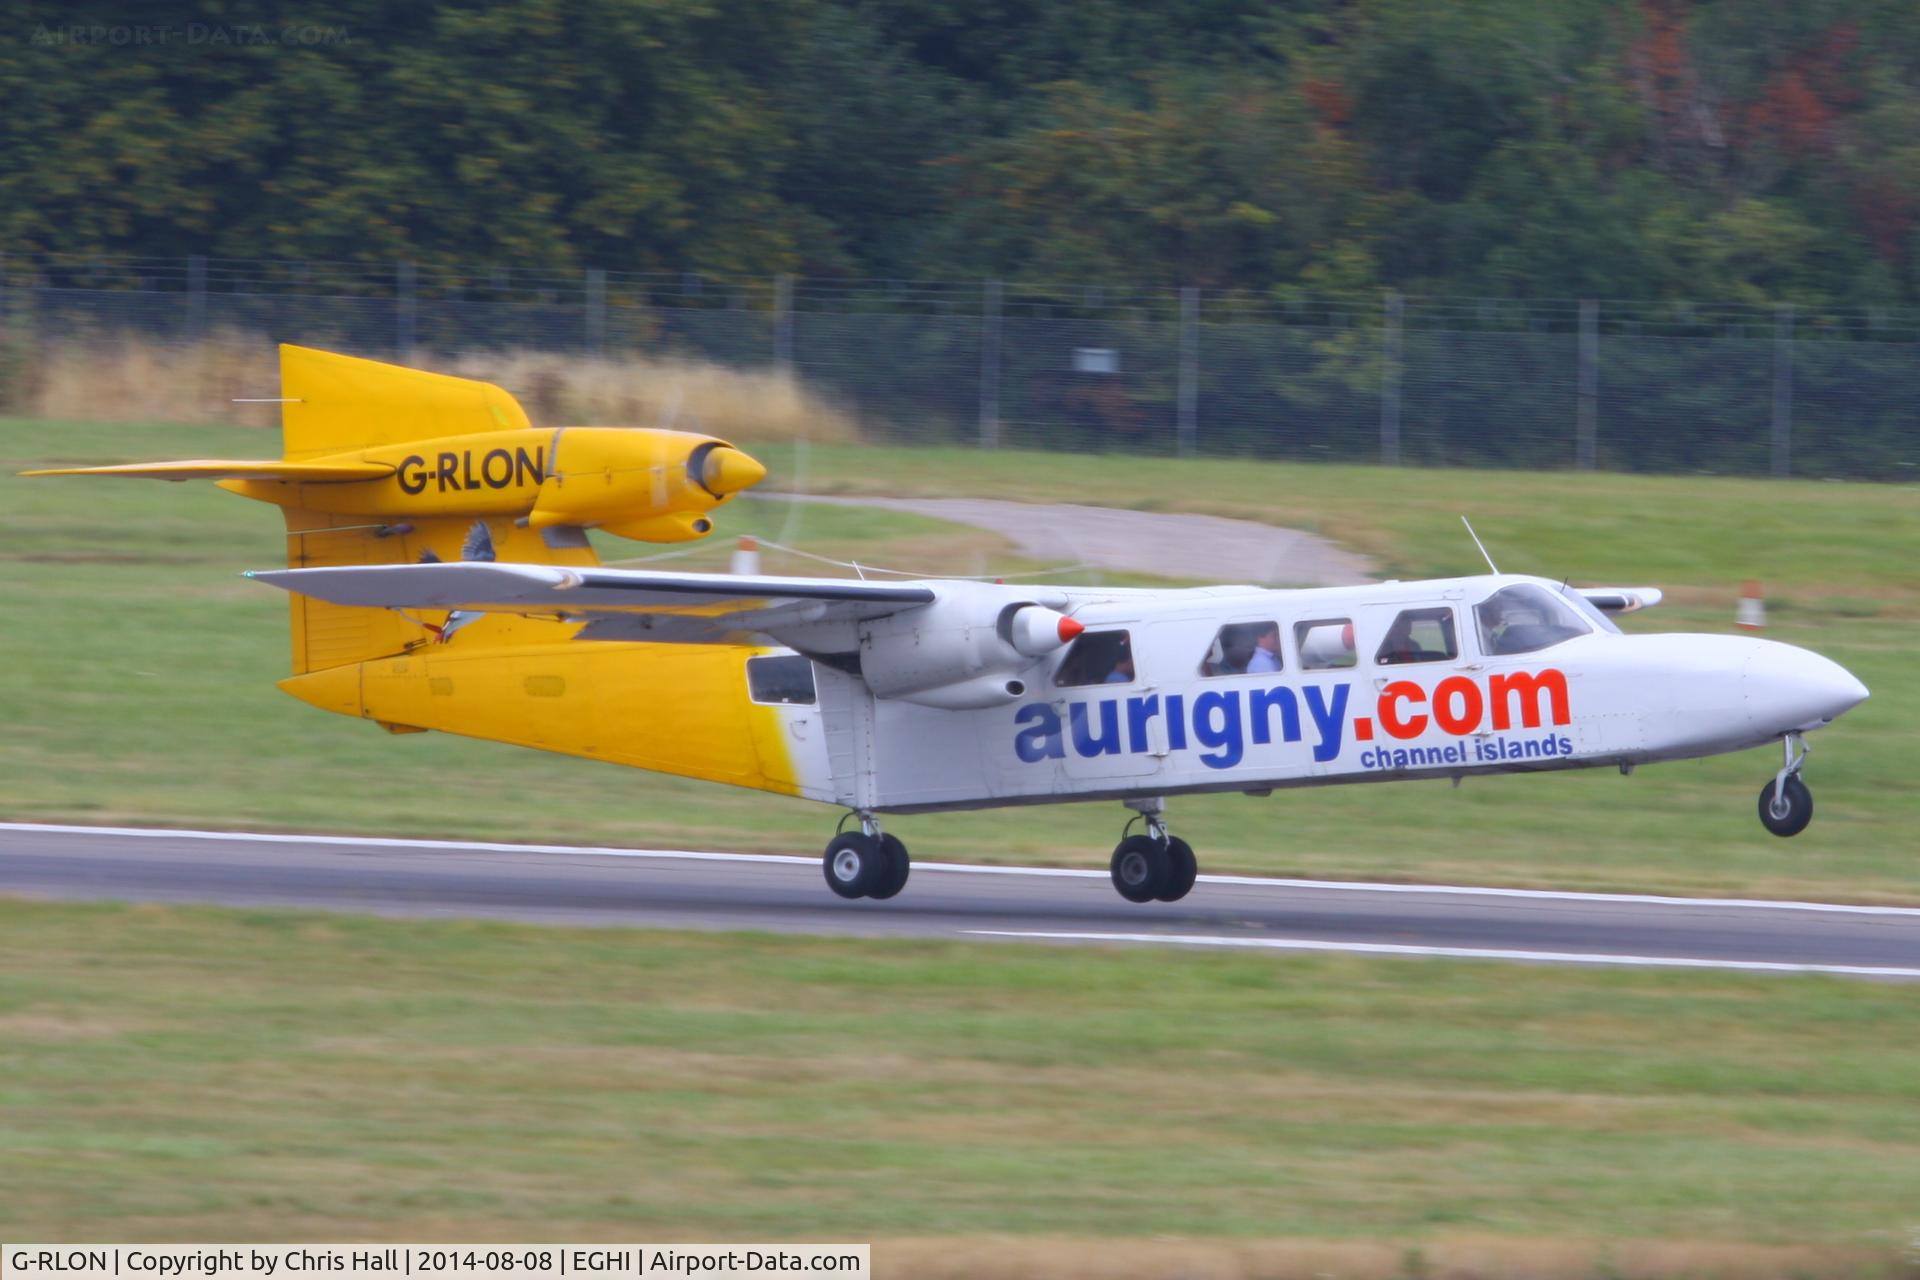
column 1491, row 567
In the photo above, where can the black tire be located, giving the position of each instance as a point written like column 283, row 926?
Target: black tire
column 1182, row 868
column 1140, row 867
column 854, row 863
column 1798, row 805
column 897, row 866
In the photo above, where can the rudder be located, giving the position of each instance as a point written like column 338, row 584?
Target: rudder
column 335, row 403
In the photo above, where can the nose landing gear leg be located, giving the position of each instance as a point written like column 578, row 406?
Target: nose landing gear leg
column 1786, row 806
column 1155, row 866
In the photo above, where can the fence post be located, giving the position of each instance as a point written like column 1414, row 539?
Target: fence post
column 1586, row 441
column 1189, row 371
column 1783, row 390
column 596, row 311
column 990, row 301
column 783, row 323
column 197, row 297
column 404, row 311
column 1390, row 380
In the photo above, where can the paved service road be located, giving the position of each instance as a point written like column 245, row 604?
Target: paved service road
column 1166, row 544
column 690, row 890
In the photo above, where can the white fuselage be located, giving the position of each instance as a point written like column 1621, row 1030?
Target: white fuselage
column 1191, row 714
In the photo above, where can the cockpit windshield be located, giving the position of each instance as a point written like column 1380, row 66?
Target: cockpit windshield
column 1596, row 615
column 1524, row 617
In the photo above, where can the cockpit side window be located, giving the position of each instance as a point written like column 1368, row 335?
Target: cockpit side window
column 1585, row 607
column 1524, row 618
column 1242, row 649
column 1097, row 657
column 1325, row 644
column 1418, row 635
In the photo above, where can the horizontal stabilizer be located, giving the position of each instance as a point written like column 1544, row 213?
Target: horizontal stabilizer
column 723, row 604
column 233, row 469
column 1622, row 599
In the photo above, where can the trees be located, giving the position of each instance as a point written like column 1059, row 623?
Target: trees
column 1638, row 148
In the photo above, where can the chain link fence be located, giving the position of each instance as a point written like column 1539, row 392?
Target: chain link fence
column 1629, row 386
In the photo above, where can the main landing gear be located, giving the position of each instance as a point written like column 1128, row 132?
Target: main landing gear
column 1786, row 806
column 867, row 863
column 1154, row 866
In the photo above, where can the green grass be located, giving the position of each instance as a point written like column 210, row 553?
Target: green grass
column 137, row 670
column 194, row 1073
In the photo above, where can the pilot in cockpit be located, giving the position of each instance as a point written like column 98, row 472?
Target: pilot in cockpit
column 1524, row 618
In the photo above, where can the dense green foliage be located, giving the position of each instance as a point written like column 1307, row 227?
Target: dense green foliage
column 1516, row 147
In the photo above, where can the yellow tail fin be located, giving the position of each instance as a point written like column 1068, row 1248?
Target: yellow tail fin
column 338, row 403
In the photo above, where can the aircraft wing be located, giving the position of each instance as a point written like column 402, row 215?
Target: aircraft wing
column 618, row 604
column 1622, row 599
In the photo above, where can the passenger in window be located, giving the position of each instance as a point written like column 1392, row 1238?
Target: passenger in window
column 1419, row 635
column 1093, row 659
column 1122, row 672
column 1400, row 646
column 1236, row 650
column 1266, row 649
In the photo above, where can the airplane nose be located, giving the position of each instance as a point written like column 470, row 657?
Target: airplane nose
column 1786, row 687
column 727, row 470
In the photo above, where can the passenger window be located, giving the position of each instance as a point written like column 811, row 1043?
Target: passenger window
column 1419, row 635
column 1243, row 648
column 1326, row 644
column 1098, row 657
column 785, row 679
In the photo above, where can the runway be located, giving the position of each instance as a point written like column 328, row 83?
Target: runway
column 691, row 889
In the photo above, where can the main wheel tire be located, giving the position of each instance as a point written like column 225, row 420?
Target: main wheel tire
column 1140, row 867
column 1788, row 814
column 897, row 866
column 854, row 863
column 1182, row 869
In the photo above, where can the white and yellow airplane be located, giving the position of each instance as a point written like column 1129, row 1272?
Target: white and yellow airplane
column 441, row 578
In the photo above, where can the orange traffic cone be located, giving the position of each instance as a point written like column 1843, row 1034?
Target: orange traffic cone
column 746, row 558
column 1752, row 615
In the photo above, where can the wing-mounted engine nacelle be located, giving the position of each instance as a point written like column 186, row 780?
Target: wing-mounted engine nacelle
column 973, row 648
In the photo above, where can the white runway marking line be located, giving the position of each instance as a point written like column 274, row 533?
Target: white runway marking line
column 964, row 868
column 1454, row 953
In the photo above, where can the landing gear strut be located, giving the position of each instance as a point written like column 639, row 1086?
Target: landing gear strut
column 1153, row 866
column 867, row 863
column 1786, row 806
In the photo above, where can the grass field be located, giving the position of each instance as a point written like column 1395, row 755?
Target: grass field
column 138, row 674
column 206, row 1074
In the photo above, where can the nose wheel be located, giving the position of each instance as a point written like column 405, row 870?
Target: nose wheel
column 1786, row 806
column 1153, row 866
column 867, row 863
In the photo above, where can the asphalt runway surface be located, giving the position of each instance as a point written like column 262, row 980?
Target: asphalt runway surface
column 684, row 889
